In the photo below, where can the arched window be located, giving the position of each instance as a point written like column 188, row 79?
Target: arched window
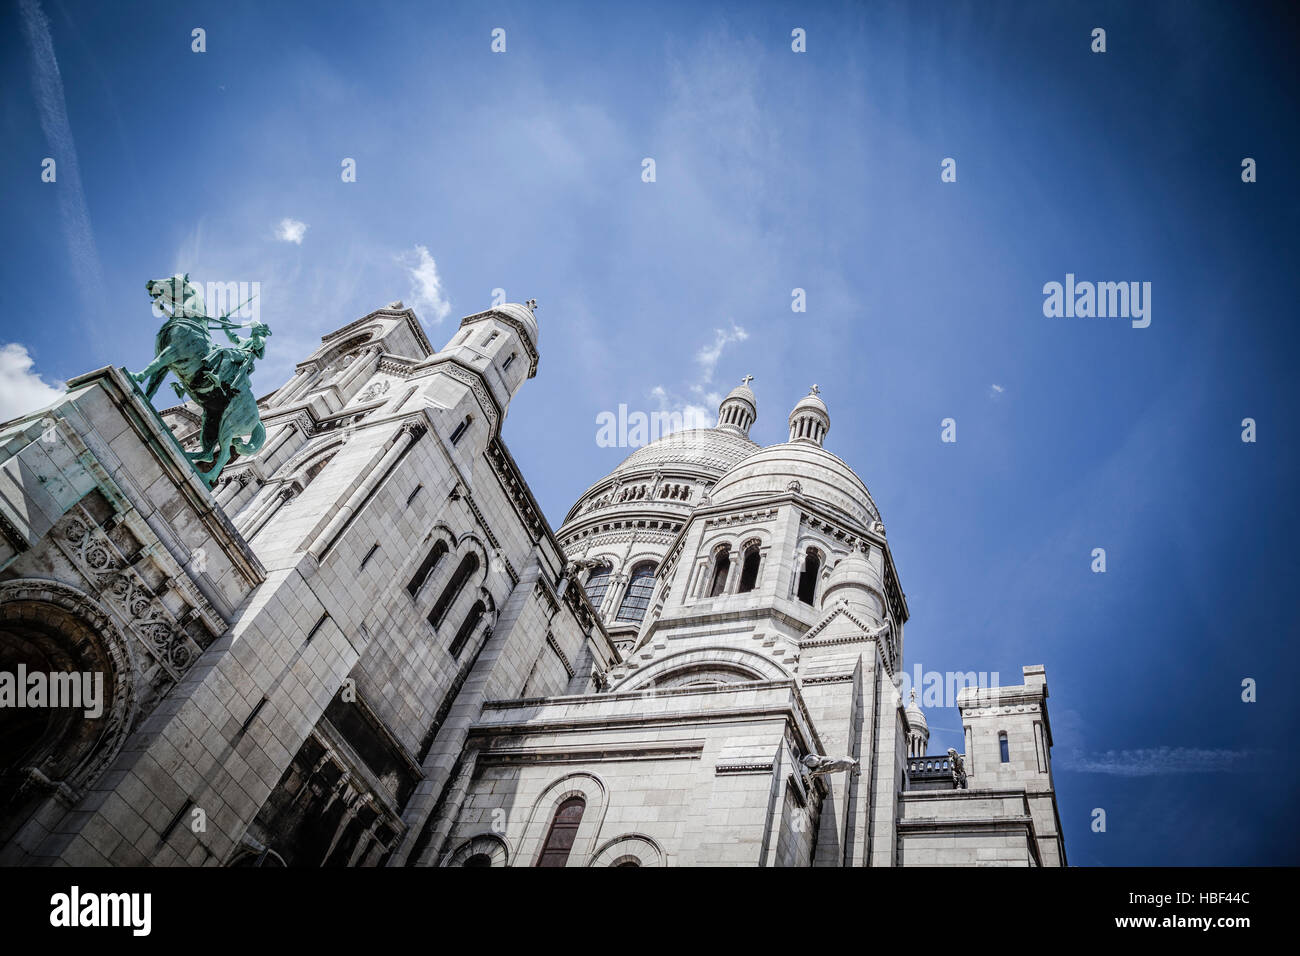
column 812, row 565
column 478, row 859
column 639, row 588
column 598, row 584
column 721, row 566
column 460, row 429
column 426, row 567
column 468, row 565
column 564, row 829
column 509, row 361
column 1004, row 747
column 488, row 339
column 467, row 628
column 749, row 570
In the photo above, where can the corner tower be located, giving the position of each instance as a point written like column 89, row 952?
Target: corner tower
column 499, row 344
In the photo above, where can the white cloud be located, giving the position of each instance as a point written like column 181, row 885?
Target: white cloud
column 21, row 389
column 1156, row 760
column 291, row 230
column 996, row 391
column 692, row 415
column 708, row 355
column 426, row 285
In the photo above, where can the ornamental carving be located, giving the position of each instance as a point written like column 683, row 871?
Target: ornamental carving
column 126, row 594
column 373, row 390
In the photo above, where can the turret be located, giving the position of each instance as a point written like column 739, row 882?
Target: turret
column 810, row 421
column 501, row 345
column 739, row 409
column 918, row 729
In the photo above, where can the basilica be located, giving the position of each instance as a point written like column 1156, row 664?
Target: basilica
column 365, row 645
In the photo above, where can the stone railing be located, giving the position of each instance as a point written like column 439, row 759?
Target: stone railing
column 936, row 767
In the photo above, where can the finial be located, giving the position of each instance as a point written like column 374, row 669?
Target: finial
column 746, row 380
column 532, row 305
column 815, row 390
column 912, row 697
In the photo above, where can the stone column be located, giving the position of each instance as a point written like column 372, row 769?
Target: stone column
column 283, row 498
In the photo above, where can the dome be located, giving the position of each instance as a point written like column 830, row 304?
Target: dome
column 703, row 449
column 818, row 475
column 523, row 315
column 810, row 401
column 667, row 476
column 744, row 393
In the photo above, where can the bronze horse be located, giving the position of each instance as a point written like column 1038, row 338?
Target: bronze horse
column 216, row 377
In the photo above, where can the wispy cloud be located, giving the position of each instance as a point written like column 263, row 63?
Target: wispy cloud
column 995, row 391
column 426, row 285
column 1156, row 761
column 21, row 389
column 53, row 109
column 701, row 408
column 291, row 230
column 708, row 355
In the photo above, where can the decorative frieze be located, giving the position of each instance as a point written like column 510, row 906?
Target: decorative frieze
column 125, row 593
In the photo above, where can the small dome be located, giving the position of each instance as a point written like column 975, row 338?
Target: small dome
column 811, row 400
column 916, row 718
column 742, row 392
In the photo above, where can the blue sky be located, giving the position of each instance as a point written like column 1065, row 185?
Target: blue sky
column 775, row 171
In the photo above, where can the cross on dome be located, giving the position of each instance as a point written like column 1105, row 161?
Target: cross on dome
column 815, row 390
column 746, row 380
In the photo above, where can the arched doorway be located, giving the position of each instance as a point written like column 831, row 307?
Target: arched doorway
column 52, row 750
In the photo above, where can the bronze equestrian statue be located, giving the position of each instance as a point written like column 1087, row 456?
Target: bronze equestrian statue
column 215, row 376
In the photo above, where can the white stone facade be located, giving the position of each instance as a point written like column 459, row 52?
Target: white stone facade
column 366, row 647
